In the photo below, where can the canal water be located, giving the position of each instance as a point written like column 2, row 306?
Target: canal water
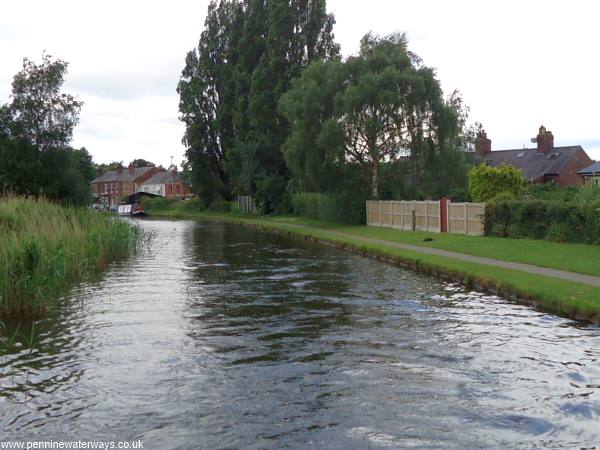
column 219, row 336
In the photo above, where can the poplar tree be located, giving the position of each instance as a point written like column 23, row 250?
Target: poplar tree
column 230, row 87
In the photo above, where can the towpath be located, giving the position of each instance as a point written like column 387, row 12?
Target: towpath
column 589, row 280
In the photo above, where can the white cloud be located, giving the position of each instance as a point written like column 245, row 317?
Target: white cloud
column 519, row 64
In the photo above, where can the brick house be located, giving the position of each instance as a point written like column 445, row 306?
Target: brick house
column 543, row 164
column 110, row 187
column 166, row 183
column 591, row 174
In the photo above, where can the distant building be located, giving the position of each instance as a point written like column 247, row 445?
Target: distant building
column 591, row 174
column 543, row 164
column 109, row 188
column 166, row 183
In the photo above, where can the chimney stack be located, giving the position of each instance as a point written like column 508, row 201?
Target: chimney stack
column 120, row 170
column 100, row 170
column 483, row 145
column 131, row 169
column 545, row 140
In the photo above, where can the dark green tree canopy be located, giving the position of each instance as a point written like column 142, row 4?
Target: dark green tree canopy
column 375, row 108
column 230, row 87
column 39, row 112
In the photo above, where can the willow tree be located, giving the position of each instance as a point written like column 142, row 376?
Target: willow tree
column 387, row 105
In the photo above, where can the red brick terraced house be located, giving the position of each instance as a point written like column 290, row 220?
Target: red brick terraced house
column 166, row 183
column 543, row 164
column 109, row 187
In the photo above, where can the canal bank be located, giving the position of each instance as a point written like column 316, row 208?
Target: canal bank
column 570, row 294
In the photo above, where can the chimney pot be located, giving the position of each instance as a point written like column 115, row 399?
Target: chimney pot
column 131, row 169
column 120, row 170
column 545, row 140
column 100, row 171
column 483, row 145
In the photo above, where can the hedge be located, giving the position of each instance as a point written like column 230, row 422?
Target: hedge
column 340, row 208
column 552, row 221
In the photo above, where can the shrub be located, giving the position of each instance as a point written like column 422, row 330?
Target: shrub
column 554, row 221
column 221, row 206
column 341, row 207
column 486, row 182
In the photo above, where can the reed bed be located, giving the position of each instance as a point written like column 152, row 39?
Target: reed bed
column 45, row 248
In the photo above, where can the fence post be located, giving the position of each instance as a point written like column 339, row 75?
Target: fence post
column 380, row 213
column 426, row 215
column 443, row 215
column 466, row 218
column 368, row 207
column 402, row 214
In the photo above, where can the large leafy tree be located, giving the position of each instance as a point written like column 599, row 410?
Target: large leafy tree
column 207, row 99
column 229, row 90
column 35, row 130
column 39, row 112
column 387, row 107
column 315, row 158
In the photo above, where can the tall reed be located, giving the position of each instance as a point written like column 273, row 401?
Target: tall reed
column 45, row 248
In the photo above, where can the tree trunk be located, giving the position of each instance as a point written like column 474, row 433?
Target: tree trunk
column 375, row 181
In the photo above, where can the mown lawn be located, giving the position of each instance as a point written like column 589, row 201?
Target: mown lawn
column 579, row 258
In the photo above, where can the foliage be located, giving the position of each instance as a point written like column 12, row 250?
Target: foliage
column 550, row 192
column 338, row 208
column 141, row 163
column 379, row 107
column 554, row 221
column 229, row 89
column 35, row 129
column 45, row 247
column 156, row 204
column 486, row 182
column 39, row 113
column 61, row 175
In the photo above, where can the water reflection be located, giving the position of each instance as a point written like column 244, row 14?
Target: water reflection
column 225, row 337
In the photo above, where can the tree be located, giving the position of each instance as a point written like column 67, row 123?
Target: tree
column 39, row 112
column 487, row 183
column 315, row 160
column 230, row 87
column 297, row 33
column 142, row 163
column 207, row 99
column 387, row 107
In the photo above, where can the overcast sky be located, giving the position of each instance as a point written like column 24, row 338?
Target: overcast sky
column 518, row 64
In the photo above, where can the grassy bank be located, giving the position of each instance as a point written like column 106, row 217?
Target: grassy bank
column 44, row 248
column 566, row 298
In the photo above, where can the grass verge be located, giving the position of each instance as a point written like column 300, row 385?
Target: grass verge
column 561, row 297
column 45, row 248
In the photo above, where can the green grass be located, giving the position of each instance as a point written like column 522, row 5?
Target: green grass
column 45, row 248
column 562, row 297
column 579, row 258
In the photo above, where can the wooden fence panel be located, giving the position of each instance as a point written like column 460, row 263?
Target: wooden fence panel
column 475, row 218
column 463, row 218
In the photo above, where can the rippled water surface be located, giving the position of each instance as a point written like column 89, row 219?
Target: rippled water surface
column 220, row 336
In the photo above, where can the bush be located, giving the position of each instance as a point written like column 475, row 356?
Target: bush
column 340, row 208
column 221, row 206
column 486, row 182
column 553, row 221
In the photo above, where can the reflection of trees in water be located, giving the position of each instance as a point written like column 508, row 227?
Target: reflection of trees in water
column 273, row 290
